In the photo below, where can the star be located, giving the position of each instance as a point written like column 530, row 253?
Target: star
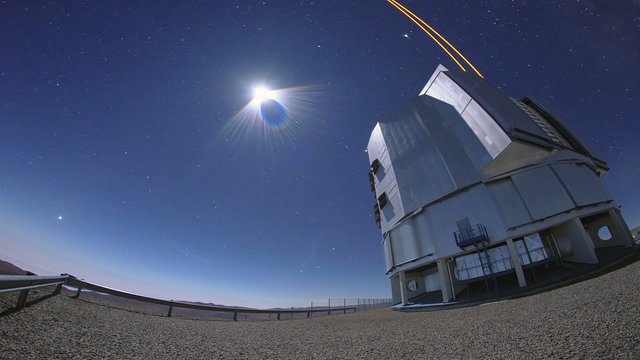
column 60, row 217
column 406, row 36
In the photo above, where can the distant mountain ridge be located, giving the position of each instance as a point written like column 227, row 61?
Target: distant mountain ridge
column 7, row 268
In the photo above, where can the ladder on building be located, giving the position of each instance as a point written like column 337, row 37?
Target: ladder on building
column 485, row 262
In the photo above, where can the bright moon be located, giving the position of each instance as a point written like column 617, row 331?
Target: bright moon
column 59, row 217
column 261, row 94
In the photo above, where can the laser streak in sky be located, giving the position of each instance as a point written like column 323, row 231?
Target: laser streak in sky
column 418, row 21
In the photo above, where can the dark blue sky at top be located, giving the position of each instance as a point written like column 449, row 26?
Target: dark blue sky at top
column 113, row 116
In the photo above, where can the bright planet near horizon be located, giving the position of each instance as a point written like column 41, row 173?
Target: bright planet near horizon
column 214, row 151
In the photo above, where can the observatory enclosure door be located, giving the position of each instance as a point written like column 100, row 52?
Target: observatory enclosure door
column 464, row 225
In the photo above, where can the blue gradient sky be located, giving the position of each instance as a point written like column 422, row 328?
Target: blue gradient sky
column 116, row 117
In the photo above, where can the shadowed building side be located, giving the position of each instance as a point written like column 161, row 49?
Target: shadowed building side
column 471, row 184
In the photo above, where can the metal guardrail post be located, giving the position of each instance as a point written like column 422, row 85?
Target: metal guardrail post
column 278, row 316
column 77, row 295
column 308, row 314
column 235, row 316
column 170, row 310
column 22, row 299
column 58, row 289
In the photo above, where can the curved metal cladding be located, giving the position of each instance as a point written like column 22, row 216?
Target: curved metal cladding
column 425, row 152
column 463, row 152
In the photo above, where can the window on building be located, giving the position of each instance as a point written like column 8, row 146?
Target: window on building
column 464, row 226
column 604, row 233
column 375, row 166
column 531, row 249
column 412, row 285
column 372, row 183
column 382, row 200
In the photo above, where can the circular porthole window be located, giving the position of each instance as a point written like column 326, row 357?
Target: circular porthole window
column 604, row 233
column 412, row 285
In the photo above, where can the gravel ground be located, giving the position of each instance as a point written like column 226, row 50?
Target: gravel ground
column 597, row 318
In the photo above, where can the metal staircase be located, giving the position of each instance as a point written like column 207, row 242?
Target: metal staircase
column 472, row 235
column 485, row 261
column 477, row 237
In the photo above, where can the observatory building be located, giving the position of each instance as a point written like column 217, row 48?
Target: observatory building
column 472, row 186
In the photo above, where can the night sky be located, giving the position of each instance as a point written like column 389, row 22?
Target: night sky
column 122, row 161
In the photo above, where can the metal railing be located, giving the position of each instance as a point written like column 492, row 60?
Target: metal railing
column 471, row 235
column 483, row 270
column 358, row 303
column 12, row 283
column 24, row 283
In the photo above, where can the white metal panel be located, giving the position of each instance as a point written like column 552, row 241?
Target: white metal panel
column 424, row 233
column 388, row 256
column 493, row 138
column 392, row 211
column 542, row 192
column 497, row 104
column 385, row 180
column 444, row 89
column 512, row 209
column 475, row 204
column 404, row 243
column 583, row 184
column 432, row 150
column 490, row 134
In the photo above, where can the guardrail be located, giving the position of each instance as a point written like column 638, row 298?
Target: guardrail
column 23, row 283
column 80, row 285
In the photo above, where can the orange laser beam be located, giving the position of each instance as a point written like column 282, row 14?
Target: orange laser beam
column 439, row 35
column 428, row 33
column 408, row 13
